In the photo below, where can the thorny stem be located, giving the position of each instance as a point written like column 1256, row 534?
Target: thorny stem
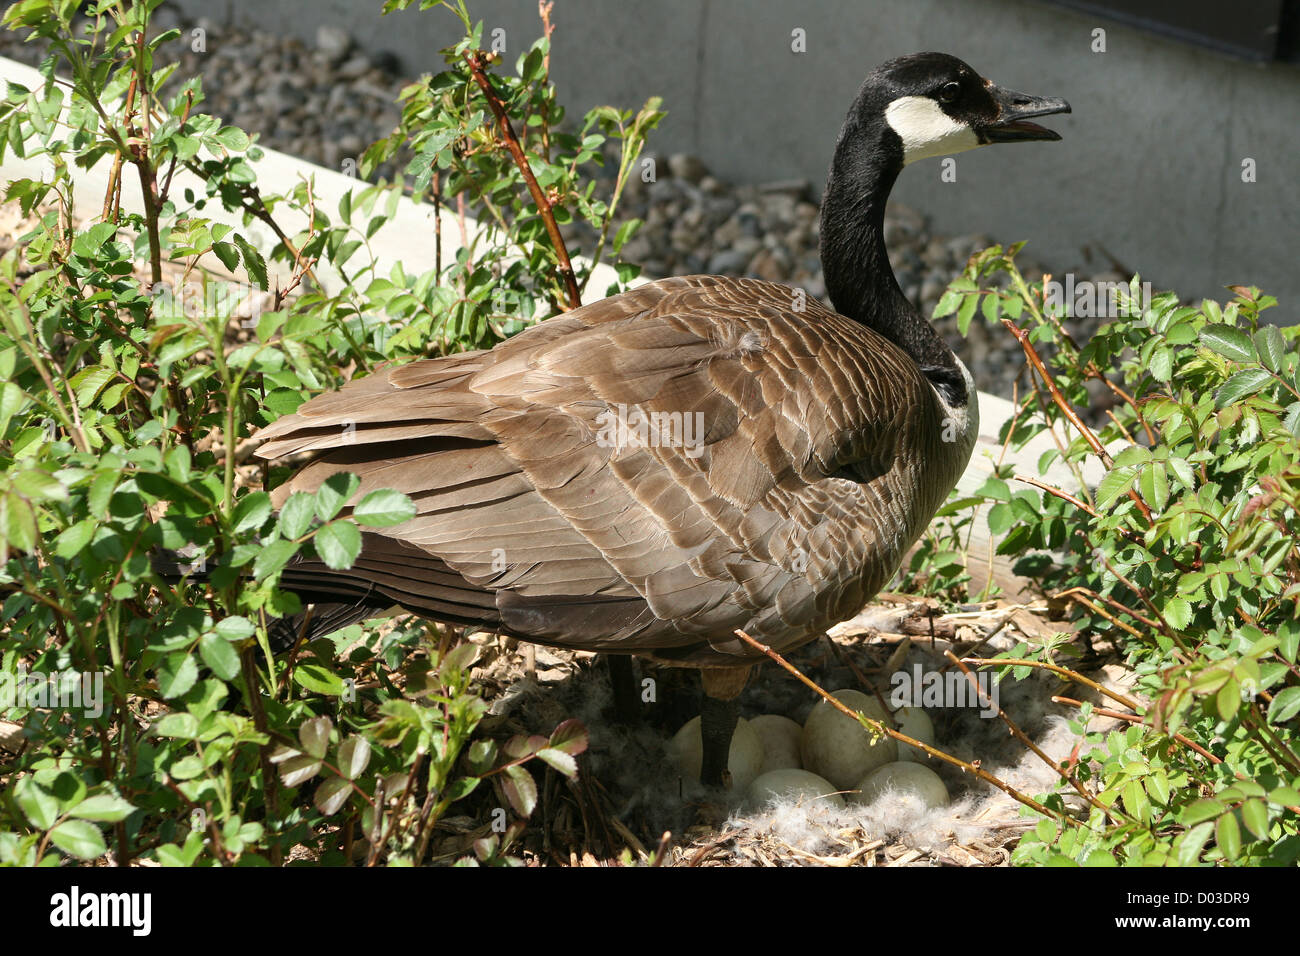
column 437, row 224
column 1037, row 751
column 476, row 60
column 544, row 8
column 1137, row 719
column 171, row 166
column 270, row 779
column 112, row 196
column 1059, row 493
column 144, row 165
column 1077, row 595
column 1055, row 669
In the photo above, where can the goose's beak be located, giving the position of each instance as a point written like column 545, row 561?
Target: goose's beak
column 1014, row 112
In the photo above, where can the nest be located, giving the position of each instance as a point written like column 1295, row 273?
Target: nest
column 630, row 804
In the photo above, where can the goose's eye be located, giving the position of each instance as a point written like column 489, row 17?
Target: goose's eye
column 949, row 92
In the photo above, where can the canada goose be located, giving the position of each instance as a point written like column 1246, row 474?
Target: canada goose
column 549, row 511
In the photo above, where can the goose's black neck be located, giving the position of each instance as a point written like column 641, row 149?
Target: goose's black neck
column 859, row 278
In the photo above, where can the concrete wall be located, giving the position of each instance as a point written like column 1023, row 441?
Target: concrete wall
column 1149, row 171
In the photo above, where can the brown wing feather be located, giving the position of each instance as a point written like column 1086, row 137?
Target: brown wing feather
column 528, row 518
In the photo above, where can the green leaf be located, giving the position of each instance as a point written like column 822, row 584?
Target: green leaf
column 1271, row 347
column 17, row 523
column 104, row 807
column 39, row 485
column 1116, row 484
column 1161, row 365
column 73, row 540
column 570, row 736
column 228, row 254
column 560, row 760
column 354, row 755
column 298, row 770
column 254, row 264
column 338, row 544
column 219, row 655
column 318, row 679
column 101, row 491
column 384, row 507
column 1000, row 518
column 1153, row 483
column 1227, row 834
column 1192, row 842
column 1229, row 342
column 1242, row 385
column 1285, row 705
column 459, row 658
column 1157, row 786
column 12, row 400
column 1209, row 680
column 314, row 735
column 296, row 515
column 273, row 557
column 38, row 805
column 948, row 303
column 331, row 795
column 966, row 312
column 235, row 628
column 1291, row 421
column 1178, row 613
column 625, row 232
column 283, row 401
column 182, row 726
column 89, row 382
column 1288, row 639
column 1254, row 813
column 177, row 674
column 520, row 789
column 233, row 138
column 334, row 493
column 1228, row 699
column 251, row 512
column 79, row 838
column 1284, row 796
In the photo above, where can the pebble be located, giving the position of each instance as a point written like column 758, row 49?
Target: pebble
column 687, row 167
column 354, row 68
column 334, row 43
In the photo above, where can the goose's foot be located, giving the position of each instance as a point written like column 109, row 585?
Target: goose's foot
column 627, row 695
column 718, row 716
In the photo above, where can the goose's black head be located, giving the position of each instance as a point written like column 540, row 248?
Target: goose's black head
column 933, row 104
column 926, row 104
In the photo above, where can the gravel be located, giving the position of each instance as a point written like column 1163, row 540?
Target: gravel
column 326, row 102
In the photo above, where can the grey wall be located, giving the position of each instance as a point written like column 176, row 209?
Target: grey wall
column 1149, row 171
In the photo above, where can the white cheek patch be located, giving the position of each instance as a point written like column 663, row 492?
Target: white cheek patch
column 926, row 130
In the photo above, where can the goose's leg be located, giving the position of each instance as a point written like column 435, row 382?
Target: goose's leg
column 718, row 716
column 627, row 699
